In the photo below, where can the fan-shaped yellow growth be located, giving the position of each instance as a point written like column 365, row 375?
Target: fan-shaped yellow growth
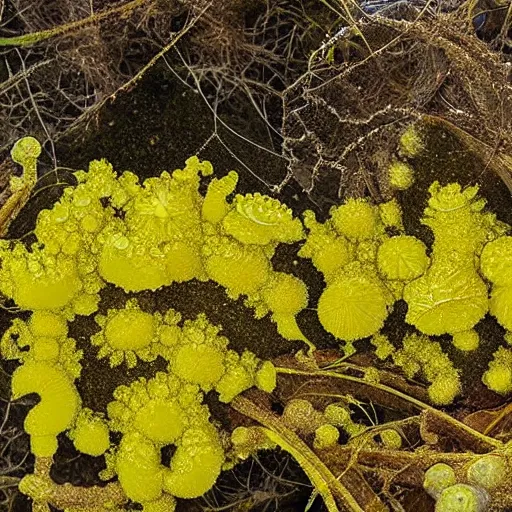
column 198, row 355
column 356, row 219
column 57, row 409
column 353, row 306
column 402, row 257
column 328, row 251
column 33, row 341
column 161, row 421
column 446, row 299
column 201, row 364
column 130, row 329
column 496, row 261
column 48, row 324
column 164, row 410
column 127, row 334
column 451, row 296
column 132, row 266
column 501, row 305
column 285, row 294
column 183, row 262
column 160, row 408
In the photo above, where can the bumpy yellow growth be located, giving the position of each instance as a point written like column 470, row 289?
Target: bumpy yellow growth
column 138, row 468
column 151, row 414
column 356, row 219
column 466, row 340
column 401, row 175
column 496, row 266
column 90, row 434
column 215, row 205
column 241, row 270
column 199, row 355
column 261, row 220
column 328, row 251
column 127, row 334
column 419, row 354
column 498, row 376
column 48, row 324
column 37, row 280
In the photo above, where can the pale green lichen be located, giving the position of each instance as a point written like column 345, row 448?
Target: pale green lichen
column 489, row 471
column 462, row 498
column 438, row 478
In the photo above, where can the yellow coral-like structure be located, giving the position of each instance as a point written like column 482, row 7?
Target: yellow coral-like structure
column 110, row 229
column 151, row 414
column 356, row 219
